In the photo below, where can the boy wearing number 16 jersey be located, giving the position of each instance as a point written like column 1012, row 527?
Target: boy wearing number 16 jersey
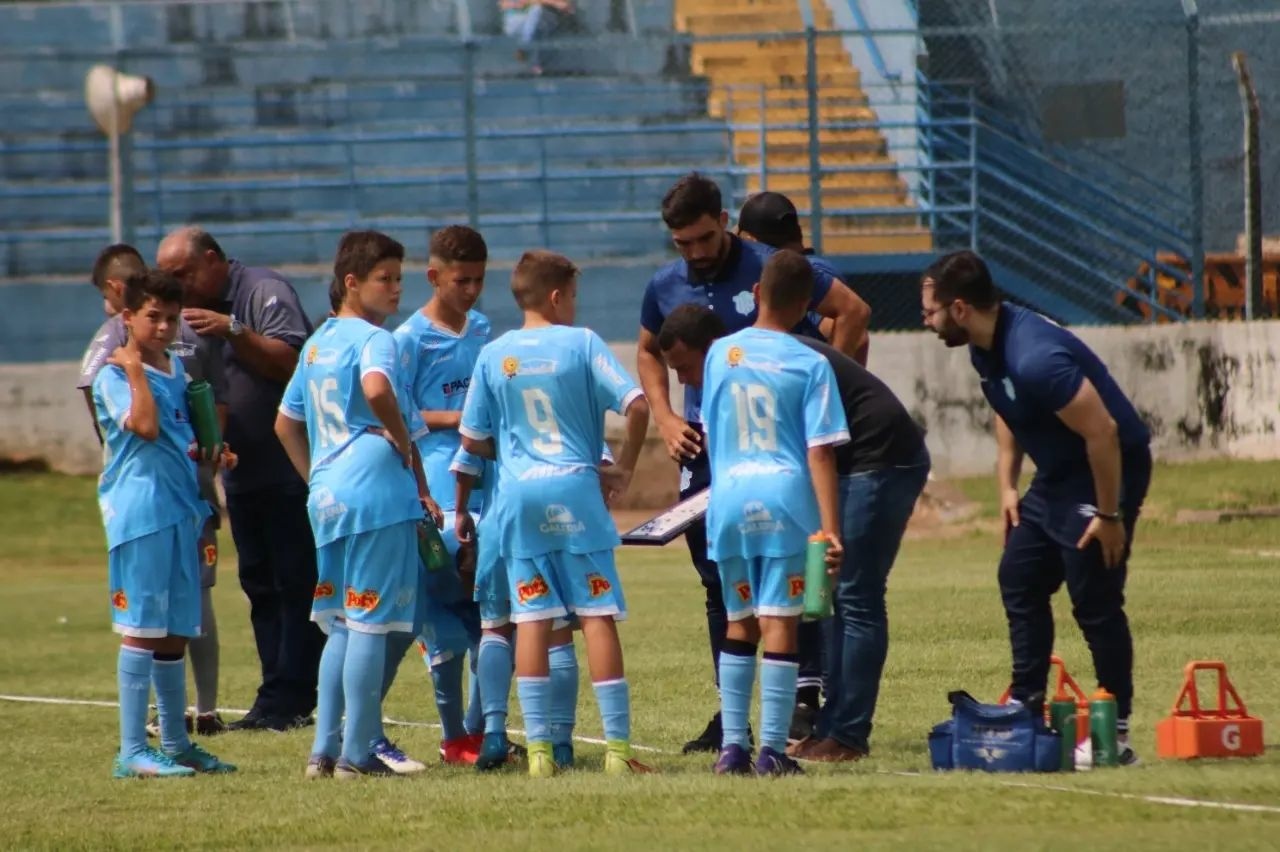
column 538, row 397
column 773, row 418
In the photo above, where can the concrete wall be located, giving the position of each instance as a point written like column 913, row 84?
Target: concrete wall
column 1207, row 390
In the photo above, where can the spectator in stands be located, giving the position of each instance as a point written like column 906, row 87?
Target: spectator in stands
column 256, row 316
column 202, row 360
column 529, row 20
column 771, row 218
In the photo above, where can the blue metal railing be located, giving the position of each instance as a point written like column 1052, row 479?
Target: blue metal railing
column 873, row 46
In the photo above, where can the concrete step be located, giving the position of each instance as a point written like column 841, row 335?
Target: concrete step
column 792, row 156
column 890, row 242
column 797, row 185
column 724, row 21
column 765, row 49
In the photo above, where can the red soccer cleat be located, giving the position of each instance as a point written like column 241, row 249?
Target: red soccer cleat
column 461, row 751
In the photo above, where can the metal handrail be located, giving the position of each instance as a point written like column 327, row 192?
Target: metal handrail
column 873, row 47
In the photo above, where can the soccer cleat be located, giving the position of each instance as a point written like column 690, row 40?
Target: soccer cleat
column 1125, row 755
column 345, row 770
column 252, row 721
column 618, row 760
column 802, row 719
column 284, row 724
column 541, row 762
column 495, row 752
column 392, row 756
column 319, row 766
column 461, row 751
column 733, row 760
column 208, row 725
column 773, row 763
column 149, row 763
column 708, row 740
column 562, row 754
column 201, row 761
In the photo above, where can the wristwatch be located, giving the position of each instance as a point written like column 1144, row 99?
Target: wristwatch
column 237, row 327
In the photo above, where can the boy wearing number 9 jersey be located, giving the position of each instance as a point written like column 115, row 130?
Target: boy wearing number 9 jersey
column 538, row 397
column 773, row 418
column 345, row 429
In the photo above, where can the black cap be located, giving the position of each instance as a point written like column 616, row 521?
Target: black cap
column 771, row 218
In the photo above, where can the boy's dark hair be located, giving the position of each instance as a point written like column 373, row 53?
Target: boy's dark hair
column 458, row 244
column 696, row 326
column 692, row 197
column 151, row 284
column 358, row 253
column 118, row 260
column 537, row 273
column 787, row 280
column 772, row 219
column 962, row 275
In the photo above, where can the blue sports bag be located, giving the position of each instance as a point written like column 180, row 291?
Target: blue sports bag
column 993, row 738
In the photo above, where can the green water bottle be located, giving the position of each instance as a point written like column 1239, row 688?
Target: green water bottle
column 431, row 549
column 1102, row 728
column 817, row 585
column 1062, row 718
column 204, row 419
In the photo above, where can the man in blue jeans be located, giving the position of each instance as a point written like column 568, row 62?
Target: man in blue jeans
column 882, row 472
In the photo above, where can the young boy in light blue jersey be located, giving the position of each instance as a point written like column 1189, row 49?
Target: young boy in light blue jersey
column 536, row 403
column 773, row 418
column 438, row 347
column 344, row 423
column 153, row 514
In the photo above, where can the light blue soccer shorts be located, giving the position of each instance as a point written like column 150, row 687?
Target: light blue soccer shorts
column 559, row 584
column 450, row 620
column 492, row 594
column 370, row 579
column 154, row 583
column 762, row 585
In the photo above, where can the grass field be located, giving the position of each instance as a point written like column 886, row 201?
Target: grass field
column 1205, row 591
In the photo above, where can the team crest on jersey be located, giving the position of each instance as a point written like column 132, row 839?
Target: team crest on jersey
column 1008, row 388
column 211, row 554
column 598, row 585
column 510, row 366
column 532, row 590
column 366, row 600
column 744, row 591
column 311, row 356
column 795, row 585
column 735, row 356
column 745, row 302
column 119, row 600
column 323, row 590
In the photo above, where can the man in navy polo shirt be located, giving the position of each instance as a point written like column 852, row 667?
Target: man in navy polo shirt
column 257, row 315
column 716, row 269
column 1054, row 400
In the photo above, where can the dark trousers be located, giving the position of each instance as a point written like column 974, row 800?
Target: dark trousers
column 1040, row 554
column 278, row 574
column 698, row 478
column 875, row 507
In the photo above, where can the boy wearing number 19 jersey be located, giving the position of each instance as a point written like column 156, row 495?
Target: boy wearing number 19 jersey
column 538, row 397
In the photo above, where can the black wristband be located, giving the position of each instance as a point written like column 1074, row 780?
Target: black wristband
column 1114, row 517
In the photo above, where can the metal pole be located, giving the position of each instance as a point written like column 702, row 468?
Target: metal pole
column 973, row 174
column 815, row 187
column 469, row 120
column 1253, row 301
column 542, row 180
column 764, row 143
column 1195, row 165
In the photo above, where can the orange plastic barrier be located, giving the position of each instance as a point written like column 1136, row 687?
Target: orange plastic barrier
column 1224, row 731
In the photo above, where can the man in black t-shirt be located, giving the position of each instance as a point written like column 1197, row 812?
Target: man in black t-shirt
column 882, row 473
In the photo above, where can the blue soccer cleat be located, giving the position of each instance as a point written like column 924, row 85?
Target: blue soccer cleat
column 562, row 754
column 495, row 752
column 773, row 763
column 149, row 763
column 733, row 760
column 194, row 757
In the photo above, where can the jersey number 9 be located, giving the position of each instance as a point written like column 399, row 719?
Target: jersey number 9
column 537, row 409
column 757, row 414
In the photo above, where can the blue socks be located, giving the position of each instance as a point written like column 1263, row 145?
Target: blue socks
column 329, row 699
column 362, row 688
column 494, row 669
column 614, row 698
column 170, row 680
column 447, row 679
column 474, row 723
column 737, row 677
column 133, row 679
column 778, row 676
column 535, row 695
column 562, row 710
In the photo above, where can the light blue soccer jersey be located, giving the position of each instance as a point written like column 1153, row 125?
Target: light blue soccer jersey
column 145, row 486
column 438, row 364
column 767, row 399
column 541, row 393
column 358, row 481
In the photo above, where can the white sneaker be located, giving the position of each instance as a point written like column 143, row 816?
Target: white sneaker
column 399, row 762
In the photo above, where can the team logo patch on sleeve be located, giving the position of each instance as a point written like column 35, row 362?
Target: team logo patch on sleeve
column 211, row 554
column 532, row 590
column 324, row 590
column 510, row 366
column 734, row 356
column 795, row 585
column 598, row 585
column 119, row 600
column 366, row 600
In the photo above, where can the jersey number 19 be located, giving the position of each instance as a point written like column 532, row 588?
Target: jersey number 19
column 757, row 415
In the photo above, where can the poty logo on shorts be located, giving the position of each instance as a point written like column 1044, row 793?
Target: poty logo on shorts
column 795, row 585
column 119, row 600
column 211, row 554
column 560, row 521
column 744, row 591
column 757, row 519
column 323, row 590
column 532, row 590
column 366, row 600
column 598, row 585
